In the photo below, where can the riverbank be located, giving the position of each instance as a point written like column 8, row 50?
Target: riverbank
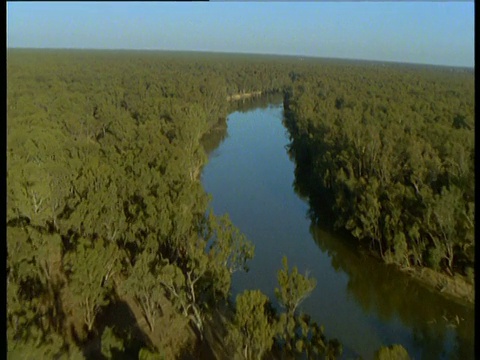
column 360, row 301
column 242, row 96
column 455, row 288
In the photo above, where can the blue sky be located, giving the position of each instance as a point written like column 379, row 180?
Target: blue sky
column 440, row 33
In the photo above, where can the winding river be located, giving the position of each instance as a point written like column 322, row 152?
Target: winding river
column 360, row 301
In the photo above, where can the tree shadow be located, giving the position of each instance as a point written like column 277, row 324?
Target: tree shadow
column 118, row 316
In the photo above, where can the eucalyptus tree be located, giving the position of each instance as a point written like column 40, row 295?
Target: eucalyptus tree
column 253, row 329
column 87, row 268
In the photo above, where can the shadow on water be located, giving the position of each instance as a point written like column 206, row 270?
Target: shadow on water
column 437, row 324
column 214, row 138
column 440, row 328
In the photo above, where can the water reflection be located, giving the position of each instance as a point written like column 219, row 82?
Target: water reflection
column 214, row 138
column 440, row 328
column 361, row 301
column 260, row 102
column 219, row 133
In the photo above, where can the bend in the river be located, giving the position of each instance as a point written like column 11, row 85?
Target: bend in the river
column 360, row 301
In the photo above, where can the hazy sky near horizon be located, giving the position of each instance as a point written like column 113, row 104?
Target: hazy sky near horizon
column 440, row 33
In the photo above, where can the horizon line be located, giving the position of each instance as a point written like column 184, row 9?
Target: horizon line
column 301, row 56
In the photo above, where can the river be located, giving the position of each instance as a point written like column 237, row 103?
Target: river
column 363, row 303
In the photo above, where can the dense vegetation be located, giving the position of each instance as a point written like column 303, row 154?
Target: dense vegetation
column 390, row 149
column 111, row 246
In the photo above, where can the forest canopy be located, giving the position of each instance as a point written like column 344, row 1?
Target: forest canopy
column 391, row 150
column 106, row 213
column 104, row 204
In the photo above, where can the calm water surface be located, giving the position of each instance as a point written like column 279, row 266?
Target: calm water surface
column 361, row 302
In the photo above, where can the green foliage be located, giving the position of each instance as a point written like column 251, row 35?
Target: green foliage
column 434, row 257
column 143, row 284
column 470, row 274
column 253, row 329
column 103, row 191
column 48, row 347
column 395, row 162
column 110, row 341
column 183, row 292
column 88, row 268
column 102, row 170
column 392, row 352
column 294, row 287
column 146, row 354
column 103, row 182
column 230, row 247
column 297, row 333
